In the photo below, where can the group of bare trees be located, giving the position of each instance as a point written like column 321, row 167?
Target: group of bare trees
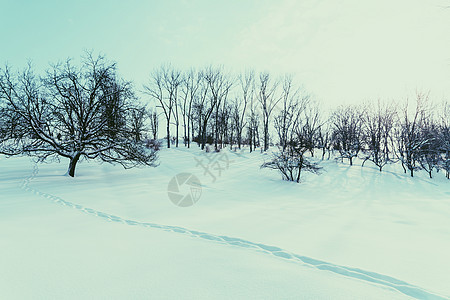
column 217, row 108
column 260, row 110
column 72, row 112
column 198, row 99
column 414, row 133
column 89, row 112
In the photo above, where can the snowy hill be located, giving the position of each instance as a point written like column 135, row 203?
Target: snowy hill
column 349, row 233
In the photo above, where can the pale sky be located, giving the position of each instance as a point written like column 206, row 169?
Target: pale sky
column 341, row 51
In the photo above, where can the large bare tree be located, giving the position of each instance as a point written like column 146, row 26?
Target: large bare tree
column 73, row 112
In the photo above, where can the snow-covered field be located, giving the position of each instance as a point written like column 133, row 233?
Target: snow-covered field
column 110, row 233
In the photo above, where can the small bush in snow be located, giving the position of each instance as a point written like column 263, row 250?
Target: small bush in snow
column 291, row 162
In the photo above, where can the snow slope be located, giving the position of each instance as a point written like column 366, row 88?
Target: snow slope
column 349, row 233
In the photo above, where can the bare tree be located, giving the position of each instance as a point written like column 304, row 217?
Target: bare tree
column 224, row 124
column 408, row 136
column 247, row 84
column 429, row 155
column 292, row 106
column 346, row 123
column 73, row 113
column 218, row 85
column 444, row 138
column 253, row 125
column 310, row 123
column 324, row 141
column 163, row 87
column 204, row 107
column 378, row 124
column 172, row 83
column 190, row 86
column 268, row 101
column 291, row 164
column 292, row 161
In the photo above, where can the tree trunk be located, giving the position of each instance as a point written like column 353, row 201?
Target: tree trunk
column 73, row 164
column 239, row 138
column 168, row 135
column 176, row 143
column 231, row 141
column 188, row 136
column 266, row 136
column 200, row 134
column 299, row 169
column 184, row 135
column 204, row 135
column 250, row 140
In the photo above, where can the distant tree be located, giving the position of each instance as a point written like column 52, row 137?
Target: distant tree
column 408, row 137
column 253, row 125
column 73, row 113
column 173, row 83
column 247, row 84
column 429, row 154
column 268, row 101
column 196, row 117
column 347, row 133
column 225, row 125
column 203, row 107
column 324, row 141
column 378, row 125
column 190, row 86
column 218, row 85
column 201, row 111
column 310, row 123
column 163, row 88
column 444, row 138
column 291, row 108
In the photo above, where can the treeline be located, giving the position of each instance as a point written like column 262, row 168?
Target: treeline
column 89, row 112
column 214, row 107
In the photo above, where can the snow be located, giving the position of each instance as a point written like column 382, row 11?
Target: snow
column 349, row 233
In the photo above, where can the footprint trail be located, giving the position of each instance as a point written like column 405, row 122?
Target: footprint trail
column 384, row 280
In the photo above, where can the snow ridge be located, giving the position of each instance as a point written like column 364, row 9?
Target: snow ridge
column 375, row 278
